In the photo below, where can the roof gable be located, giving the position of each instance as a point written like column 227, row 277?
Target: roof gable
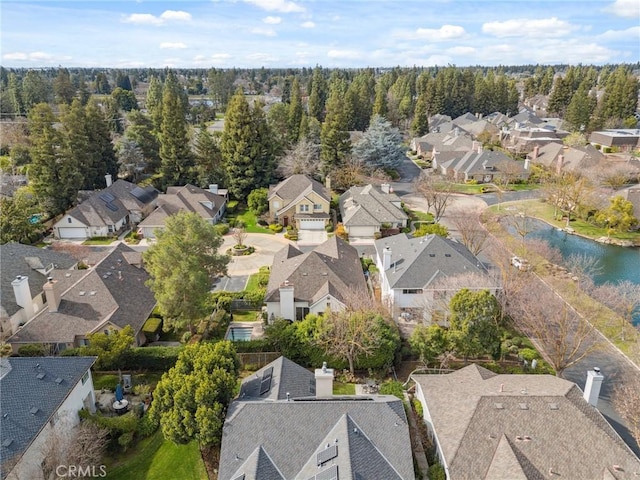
column 296, row 187
column 281, row 377
column 370, row 206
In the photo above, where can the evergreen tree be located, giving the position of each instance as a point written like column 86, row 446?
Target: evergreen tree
column 380, row 103
column 380, row 145
column 123, row 81
column 125, row 99
column 262, row 151
column 580, row 108
column 220, row 87
column 83, row 92
column 621, row 95
column 318, row 95
column 102, row 153
column 76, row 143
column 14, row 94
column 176, row 159
column 208, row 158
column 153, row 103
column 334, row 137
column 295, row 112
column 420, row 123
column 546, row 83
column 102, row 84
column 560, row 96
column 63, row 88
column 113, row 115
column 34, row 89
column 140, row 130
column 53, row 177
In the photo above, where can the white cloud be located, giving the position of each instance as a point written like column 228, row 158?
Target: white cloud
column 199, row 58
column 613, row 35
column 344, row 54
column 220, row 56
column 439, row 60
column 262, row 57
column 15, row 56
column 166, row 16
column 35, row 57
column 446, row 32
column 267, row 32
column 177, row 15
column 625, row 8
column 272, row 20
column 308, row 24
column 283, row 6
column 173, row 45
column 461, row 51
column 524, row 27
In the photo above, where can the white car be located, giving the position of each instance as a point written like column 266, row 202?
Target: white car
column 520, row 263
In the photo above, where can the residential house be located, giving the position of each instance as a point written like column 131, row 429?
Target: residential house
column 483, row 166
column 632, row 194
column 24, row 273
column 623, row 139
column 209, row 204
column 522, row 139
column 104, row 298
column 309, row 433
column 107, row 212
column 366, row 210
column 40, row 398
column 431, row 144
column 300, row 201
column 561, row 158
column 538, row 103
column 489, row 426
column 413, row 274
column 303, row 283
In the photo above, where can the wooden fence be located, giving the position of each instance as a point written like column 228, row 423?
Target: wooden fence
column 257, row 359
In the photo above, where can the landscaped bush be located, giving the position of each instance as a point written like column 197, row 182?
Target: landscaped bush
column 232, row 205
column 255, row 297
column 121, row 428
column 31, row 350
column 152, row 327
column 221, row 228
column 157, row 359
column 391, row 387
column 417, row 406
column 436, row 472
column 472, row 181
column 341, row 232
column 275, row 227
column 253, row 346
column 328, row 227
column 529, row 354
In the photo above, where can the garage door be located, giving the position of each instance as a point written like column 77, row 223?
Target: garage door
column 72, row 232
column 311, row 224
column 361, row 232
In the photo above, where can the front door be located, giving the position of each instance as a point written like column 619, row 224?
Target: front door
column 285, row 221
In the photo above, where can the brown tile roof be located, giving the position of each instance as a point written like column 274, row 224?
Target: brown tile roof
column 521, row 426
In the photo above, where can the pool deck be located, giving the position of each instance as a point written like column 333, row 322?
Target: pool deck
column 257, row 332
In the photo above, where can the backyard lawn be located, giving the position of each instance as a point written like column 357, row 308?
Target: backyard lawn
column 246, row 315
column 340, row 388
column 249, row 220
column 157, row 458
column 99, row 241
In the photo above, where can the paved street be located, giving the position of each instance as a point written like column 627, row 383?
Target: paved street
column 266, row 246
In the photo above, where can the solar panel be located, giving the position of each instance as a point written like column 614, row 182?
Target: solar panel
column 327, row 454
column 330, row 473
column 141, row 194
column 265, row 385
column 112, row 207
column 107, row 197
column 267, row 373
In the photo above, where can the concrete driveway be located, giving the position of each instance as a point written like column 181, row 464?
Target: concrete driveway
column 311, row 237
column 266, row 246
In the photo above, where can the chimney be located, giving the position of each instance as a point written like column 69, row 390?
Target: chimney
column 385, row 187
column 324, row 381
column 22, row 292
column 213, row 188
column 386, row 259
column 526, row 163
column 107, row 177
column 327, row 183
column 592, row 387
column 536, row 152
column 52, row 293
column 287, row 302
column 559, row 165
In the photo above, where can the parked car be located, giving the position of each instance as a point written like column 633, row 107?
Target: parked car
column 520, row 263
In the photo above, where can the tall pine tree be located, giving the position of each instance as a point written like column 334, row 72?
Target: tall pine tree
column 334, row 137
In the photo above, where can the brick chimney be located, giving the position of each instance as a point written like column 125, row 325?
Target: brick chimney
column 213, row 188
column 324, row 381
column 327, row 183
column 22, row 292
column 386, row 259
column 592, row 387
column 52, row 292
column 287, row 302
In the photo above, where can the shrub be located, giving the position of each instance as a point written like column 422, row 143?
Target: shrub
column 252, row 346
column 473, row 181
column 528, row 354
column 221, row 228
column 155, row 359
column 186, row 336
column 147, row 426
column 417, row 406
column 232, row 205
column 31, row 350
column 329, row 227
column 436, row 472
column 275, row 227
column 152, row 326
column 392, row 387
column 341, row 232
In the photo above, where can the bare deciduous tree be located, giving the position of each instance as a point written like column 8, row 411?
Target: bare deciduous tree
column 584, row 267
column 303, row 158
column 623, row 298
column 239, row 235
column 472, row 234
column 437, row 192
column 626, row 400
column 509, row 171
column 540, row 249
column 522, row 225
column 564, row 337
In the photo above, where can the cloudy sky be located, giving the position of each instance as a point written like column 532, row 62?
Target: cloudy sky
column 331, row 33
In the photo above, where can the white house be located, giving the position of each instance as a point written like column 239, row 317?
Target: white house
column 41, row 398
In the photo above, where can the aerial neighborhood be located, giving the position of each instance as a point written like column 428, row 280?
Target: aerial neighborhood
column 330, row 273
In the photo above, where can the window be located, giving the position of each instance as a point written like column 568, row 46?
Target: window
column 69, row 220
column 110, row 228
column 301, row 312
column 276, row 204
column 411, row 291
column 85, row 377
column 317, row 206
column 304, row 208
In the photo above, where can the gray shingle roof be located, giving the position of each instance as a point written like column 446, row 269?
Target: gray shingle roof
column 121, row 297
column 297, row 186
column 480, row 162
column 286, row 377
column 368, row 205
column 503, row 426
column 333, row 264
column 417, row 262
column 371, row 435
column 21, row 390
column 18, row 259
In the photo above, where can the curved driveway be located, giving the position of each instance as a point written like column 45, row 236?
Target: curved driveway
column 266, row 246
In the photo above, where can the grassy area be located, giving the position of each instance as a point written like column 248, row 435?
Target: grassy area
column 467, row 188
column 340, row 388
column 110, row 380
column 156, row 458
column 420, row 216
column 250, row 222
column 254, row 280
column 99, row 241
column 246, row 315
column 517, row 187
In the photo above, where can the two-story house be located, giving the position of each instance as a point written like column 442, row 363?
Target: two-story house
column 300, row 201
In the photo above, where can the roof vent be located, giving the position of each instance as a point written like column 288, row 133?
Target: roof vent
column 527, row 438
column 523, row 406
column 447, row 254
column 40, row 376
column 7, row 442
column 34, row 410
column 554, row 406
column 499, row 406
column 58, row 380
column 82, row 293
column 92, row 293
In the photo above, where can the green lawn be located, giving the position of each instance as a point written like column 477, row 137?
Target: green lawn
column 99, row 241
column 157, row 458
column 246, row 315
column 467, row 188
column 253, row 282
column 110, row 380
column 420, row 216
column 248, row 218
column 340, row 388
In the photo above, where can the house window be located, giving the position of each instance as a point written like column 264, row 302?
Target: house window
column 106, row 331
column 69, row 220
column 276, row 204
column 110, row 228
column 304, row 208
column 411, row 291
column 317, row 206
column 301, row 312
column 85, row 377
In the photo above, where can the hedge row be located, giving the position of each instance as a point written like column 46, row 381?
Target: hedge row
column 155, row 359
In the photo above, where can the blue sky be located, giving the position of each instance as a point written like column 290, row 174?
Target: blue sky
column 331, row 33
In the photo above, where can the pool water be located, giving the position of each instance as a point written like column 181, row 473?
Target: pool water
column 239, row 333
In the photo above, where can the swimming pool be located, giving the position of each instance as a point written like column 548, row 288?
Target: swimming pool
column 239, row 333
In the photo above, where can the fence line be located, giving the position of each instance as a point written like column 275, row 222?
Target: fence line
column 257, row 359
